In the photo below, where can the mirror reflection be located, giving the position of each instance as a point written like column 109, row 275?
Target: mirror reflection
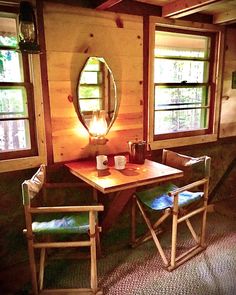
column 96, row 95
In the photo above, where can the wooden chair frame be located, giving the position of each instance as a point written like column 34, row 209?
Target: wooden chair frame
column 178, row 215
column 37, row 280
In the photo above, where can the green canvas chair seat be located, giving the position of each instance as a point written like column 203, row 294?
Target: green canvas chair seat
column 68, row 224
column 158, row 198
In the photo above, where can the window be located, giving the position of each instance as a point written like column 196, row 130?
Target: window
column 17, row 118
column 183, row 84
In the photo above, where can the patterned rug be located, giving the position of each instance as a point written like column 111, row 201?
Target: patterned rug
column 140, row 271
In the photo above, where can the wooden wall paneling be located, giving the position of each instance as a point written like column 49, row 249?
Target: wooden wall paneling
column 115, row 138
column 149, row 90
column 44, row 81
column 127, row 67
column 59, row 13
column 124, row 68
column 74, row 146
column 65, row 66
column 131, row 94
column 72, row 35
column 146, row 73
column 61, row 106
column 104, row 41
column 228, row 107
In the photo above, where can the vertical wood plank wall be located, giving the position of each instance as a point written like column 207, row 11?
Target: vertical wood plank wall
column 72, row 35
column 228, row 108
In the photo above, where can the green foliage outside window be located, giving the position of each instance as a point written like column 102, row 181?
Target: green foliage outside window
column 181, row 70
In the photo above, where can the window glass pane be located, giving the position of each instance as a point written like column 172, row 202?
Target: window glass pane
column 167, row 97
column 179, row 120
column 8, row 35
column 13, row 102
column 10, row 66
column 176, row 71
column 90, row 105
column 14, row 135
column 89, row 92
column 181, row 45
column 93, row 65
column 89, row 78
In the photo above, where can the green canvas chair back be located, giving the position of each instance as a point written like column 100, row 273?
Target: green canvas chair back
column 194, row 168
column 31, row 187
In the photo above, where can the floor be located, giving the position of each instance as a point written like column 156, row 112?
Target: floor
column 140, row 271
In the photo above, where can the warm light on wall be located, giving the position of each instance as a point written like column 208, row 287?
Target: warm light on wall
column 98, row 127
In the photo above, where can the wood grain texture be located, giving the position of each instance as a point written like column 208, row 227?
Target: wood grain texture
column 113, row 180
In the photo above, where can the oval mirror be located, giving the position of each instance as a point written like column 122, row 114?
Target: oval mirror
column 96, row 92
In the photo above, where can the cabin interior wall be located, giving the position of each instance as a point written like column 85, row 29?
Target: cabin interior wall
column 228, row 105
column 73, row 34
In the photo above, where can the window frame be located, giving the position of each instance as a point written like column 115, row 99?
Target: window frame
column 215, row 78
column 36, row 73
column 209, row 86
column 28, row 86
column 100, row 85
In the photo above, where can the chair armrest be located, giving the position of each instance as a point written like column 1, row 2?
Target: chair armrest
column 66, row 209
column 188, row 187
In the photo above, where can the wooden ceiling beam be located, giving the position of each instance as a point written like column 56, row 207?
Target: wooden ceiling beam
column 107, row 4
column 181, row 8
column 225, row 17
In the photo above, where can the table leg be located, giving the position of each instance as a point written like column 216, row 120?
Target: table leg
column 116, row 207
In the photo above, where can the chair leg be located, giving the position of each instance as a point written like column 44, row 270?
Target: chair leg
column 203, row 228
column 191, row 229
column 156, row 227
column 152, row 231
column 32, row 266
column 93, row 279
column 174, row 232
column 133, row 219
column 98, row 242
column 41, row 267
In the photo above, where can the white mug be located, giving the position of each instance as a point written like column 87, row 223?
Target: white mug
column 120, row 162
column 102, row 162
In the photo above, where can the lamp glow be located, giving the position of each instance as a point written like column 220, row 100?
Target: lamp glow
column 98, row 127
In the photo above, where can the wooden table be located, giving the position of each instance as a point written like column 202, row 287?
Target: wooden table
column 121, row 182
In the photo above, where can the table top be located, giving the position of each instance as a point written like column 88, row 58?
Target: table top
column 113, row 180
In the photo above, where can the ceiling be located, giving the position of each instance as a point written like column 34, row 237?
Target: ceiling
column 222, row 11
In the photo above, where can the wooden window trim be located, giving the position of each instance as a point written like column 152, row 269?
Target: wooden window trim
column 199, row 28
column 33, row 151
column 209, row 85
column 216, row 82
